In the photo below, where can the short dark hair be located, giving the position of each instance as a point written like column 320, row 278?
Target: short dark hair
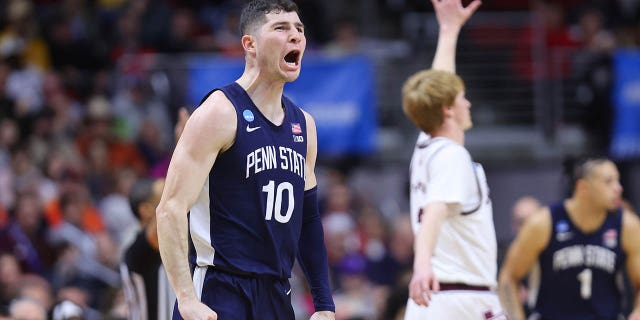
column 254, row 12
column 140, row 192
column 578, row 168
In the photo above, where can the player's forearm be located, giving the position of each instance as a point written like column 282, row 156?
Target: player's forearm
column 427, row 237
column 508, row 291
column 445, row 56
column 424, row 247
column 172, row 239
column 312, row 253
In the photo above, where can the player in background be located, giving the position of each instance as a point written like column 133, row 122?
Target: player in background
column 455, row 265
column 581, row 245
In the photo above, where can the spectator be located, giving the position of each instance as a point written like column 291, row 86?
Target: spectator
column 23, row 29
column 24, row 308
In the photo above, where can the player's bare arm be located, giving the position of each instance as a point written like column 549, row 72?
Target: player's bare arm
column 423, row 281
column 630, row 241
column 210, row 130
column 312, row 153
column 522, row 254
column 451, row 17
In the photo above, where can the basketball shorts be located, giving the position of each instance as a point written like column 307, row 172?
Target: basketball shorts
column 240, row 297
column 459, row 305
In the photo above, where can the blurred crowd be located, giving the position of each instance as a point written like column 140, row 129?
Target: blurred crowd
column 81, row 122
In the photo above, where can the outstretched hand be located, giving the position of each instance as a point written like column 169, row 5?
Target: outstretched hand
column 451, row 13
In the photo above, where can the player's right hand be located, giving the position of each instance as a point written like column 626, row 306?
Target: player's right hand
column 451, row 13
column 423, row 284
column 192, row 309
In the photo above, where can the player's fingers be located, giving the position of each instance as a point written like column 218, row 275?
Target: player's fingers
column 473, row 6
column 425, row 291
column 416, row 294
column 435, row 286
column 426, row 297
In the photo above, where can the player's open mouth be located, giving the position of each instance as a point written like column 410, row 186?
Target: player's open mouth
column 291, row 59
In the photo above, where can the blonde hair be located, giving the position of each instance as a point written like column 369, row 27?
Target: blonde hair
column 425, row 93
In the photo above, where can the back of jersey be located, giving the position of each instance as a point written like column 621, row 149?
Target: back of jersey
column 248, row 216
column 579, row 271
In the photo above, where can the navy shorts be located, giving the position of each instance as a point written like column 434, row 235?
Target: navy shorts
column 239, row 297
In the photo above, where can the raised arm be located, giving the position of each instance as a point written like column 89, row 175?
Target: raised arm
column 523, row 252
column 451, row 17
column 207, row 132
column 630, row 241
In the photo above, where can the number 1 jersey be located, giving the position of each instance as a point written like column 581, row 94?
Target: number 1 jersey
column 579, row 271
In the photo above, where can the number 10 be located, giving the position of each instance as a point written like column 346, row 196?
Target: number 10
column 274, row 201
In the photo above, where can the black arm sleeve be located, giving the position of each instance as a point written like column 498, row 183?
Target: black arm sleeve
column 312, row 253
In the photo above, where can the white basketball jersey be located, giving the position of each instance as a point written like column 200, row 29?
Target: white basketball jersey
column 466, row 250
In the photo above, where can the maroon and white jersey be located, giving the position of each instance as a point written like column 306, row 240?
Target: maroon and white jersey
column 466, row 250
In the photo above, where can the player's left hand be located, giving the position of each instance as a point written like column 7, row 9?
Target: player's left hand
column 323, row 315
column 635, row 315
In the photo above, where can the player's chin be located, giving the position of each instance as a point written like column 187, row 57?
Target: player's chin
column 615, row 204
column 291, row 76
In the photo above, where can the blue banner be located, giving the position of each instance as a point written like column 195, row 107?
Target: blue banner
column 625, row 142
column 338, row 92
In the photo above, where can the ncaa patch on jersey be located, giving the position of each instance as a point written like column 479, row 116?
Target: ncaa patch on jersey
column 562, row 226
column 248, row 115
column 610, row 238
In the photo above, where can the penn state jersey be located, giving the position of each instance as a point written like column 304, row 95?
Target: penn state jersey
column 579, row 271
column 248, row 215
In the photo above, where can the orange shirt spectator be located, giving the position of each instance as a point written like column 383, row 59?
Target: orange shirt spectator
column 90, row 217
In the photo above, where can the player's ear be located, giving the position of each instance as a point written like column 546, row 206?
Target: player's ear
column 581, row 185
column 248, row 43
column 447, row 111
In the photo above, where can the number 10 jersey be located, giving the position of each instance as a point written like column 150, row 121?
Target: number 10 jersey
column 248, row 216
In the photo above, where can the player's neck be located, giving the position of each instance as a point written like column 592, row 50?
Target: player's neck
column 265, row 94
column 450, row 132
column 584, row 214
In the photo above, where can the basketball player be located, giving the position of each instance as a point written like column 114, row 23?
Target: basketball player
column 244, row 170
column 454, row 271
column 581, row 244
